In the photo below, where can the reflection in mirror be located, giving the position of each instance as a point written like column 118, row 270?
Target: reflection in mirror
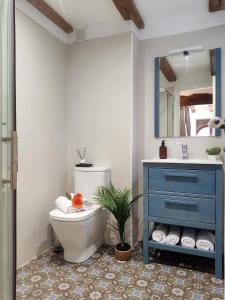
column 187, row 94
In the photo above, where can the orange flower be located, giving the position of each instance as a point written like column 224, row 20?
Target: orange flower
column 77, row 200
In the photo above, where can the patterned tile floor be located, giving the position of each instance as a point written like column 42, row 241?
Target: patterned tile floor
column 103, row 277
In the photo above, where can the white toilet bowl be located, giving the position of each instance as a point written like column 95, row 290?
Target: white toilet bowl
column 80, row 234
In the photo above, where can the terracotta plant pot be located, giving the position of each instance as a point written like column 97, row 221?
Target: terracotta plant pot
column 123, row 254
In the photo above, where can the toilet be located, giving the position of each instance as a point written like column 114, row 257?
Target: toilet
column 82, row 233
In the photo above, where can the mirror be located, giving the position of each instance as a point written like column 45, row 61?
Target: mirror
column 187, row 93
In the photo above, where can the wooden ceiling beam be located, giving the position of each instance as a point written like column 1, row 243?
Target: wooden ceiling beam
column 216, row 5
column 129, row 11
column 196, row 99
column 51, row 14
column 134, row 13
column 167, row 70
column 120, row 5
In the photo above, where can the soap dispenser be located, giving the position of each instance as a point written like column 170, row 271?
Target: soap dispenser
column 163, row 151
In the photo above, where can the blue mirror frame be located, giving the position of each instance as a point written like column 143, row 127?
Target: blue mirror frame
column 218, row 91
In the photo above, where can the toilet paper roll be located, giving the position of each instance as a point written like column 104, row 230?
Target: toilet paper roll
column 215, row 122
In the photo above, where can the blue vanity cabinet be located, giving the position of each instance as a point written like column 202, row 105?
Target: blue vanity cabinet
column 184, row 194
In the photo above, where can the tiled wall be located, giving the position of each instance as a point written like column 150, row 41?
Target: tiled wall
column 99, row 105
column 100, row 109
column 99, row 94
column 41, row 121
column 208, row 39
column 137, row 134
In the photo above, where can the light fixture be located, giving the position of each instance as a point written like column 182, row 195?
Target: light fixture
column 182, row 50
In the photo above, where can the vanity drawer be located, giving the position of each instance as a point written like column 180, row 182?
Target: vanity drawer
column 182, row 181
column 201, row 210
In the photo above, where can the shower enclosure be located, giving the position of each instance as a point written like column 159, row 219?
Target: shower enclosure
column 8, row 153
column 166, row 112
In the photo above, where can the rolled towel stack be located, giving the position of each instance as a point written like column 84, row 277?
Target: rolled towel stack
column 173, row 236
column 188, row 238
column 205, row 240
column 160, row 233
column 65, row 205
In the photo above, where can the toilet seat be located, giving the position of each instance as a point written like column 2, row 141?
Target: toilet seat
column 57, row 215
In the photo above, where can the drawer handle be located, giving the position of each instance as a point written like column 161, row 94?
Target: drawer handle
column 181, row 202
column 180, row 175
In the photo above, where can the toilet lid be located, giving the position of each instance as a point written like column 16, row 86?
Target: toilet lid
column 57, row 215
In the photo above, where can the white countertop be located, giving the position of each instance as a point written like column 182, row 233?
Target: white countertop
column 183, row 161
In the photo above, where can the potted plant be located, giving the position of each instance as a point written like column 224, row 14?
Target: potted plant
column 120, row 204
column 213, row 153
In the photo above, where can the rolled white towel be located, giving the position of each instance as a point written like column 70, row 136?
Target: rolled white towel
column 173, row 237
column 160, row 233
column 65, row 205
column 205, row 240
column 188, row 238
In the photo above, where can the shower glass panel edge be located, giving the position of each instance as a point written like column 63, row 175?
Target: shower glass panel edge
column 8, row 125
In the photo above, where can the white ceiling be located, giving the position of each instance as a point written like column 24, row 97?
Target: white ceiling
column 198, row 61
column 161, row 17
column 86, row 12
column 192, row 69
column 170, row 8
column 89, row 12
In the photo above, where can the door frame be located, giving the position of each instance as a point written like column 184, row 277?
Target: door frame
column 14, row 206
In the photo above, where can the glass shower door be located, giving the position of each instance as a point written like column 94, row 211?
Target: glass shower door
column 8, row 153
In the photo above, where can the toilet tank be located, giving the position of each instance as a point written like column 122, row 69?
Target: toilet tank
column 87, row 179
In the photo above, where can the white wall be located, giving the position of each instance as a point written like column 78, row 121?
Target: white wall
column 104, row 100
column 99, row 105
column 99, row 112
column 41, row 121
column 209, row 38
column 137, row 135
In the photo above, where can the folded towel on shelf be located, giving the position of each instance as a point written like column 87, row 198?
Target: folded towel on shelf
column 173, row 236
column 205, row 240
column 160, row 233
column 188, row 238
column 65, row 205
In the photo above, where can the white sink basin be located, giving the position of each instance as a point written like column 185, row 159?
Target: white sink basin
column 183, row 161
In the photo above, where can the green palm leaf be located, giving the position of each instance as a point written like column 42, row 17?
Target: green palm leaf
column 118, row 202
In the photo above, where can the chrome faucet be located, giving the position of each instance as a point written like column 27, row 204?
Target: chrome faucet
column 184, row 150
